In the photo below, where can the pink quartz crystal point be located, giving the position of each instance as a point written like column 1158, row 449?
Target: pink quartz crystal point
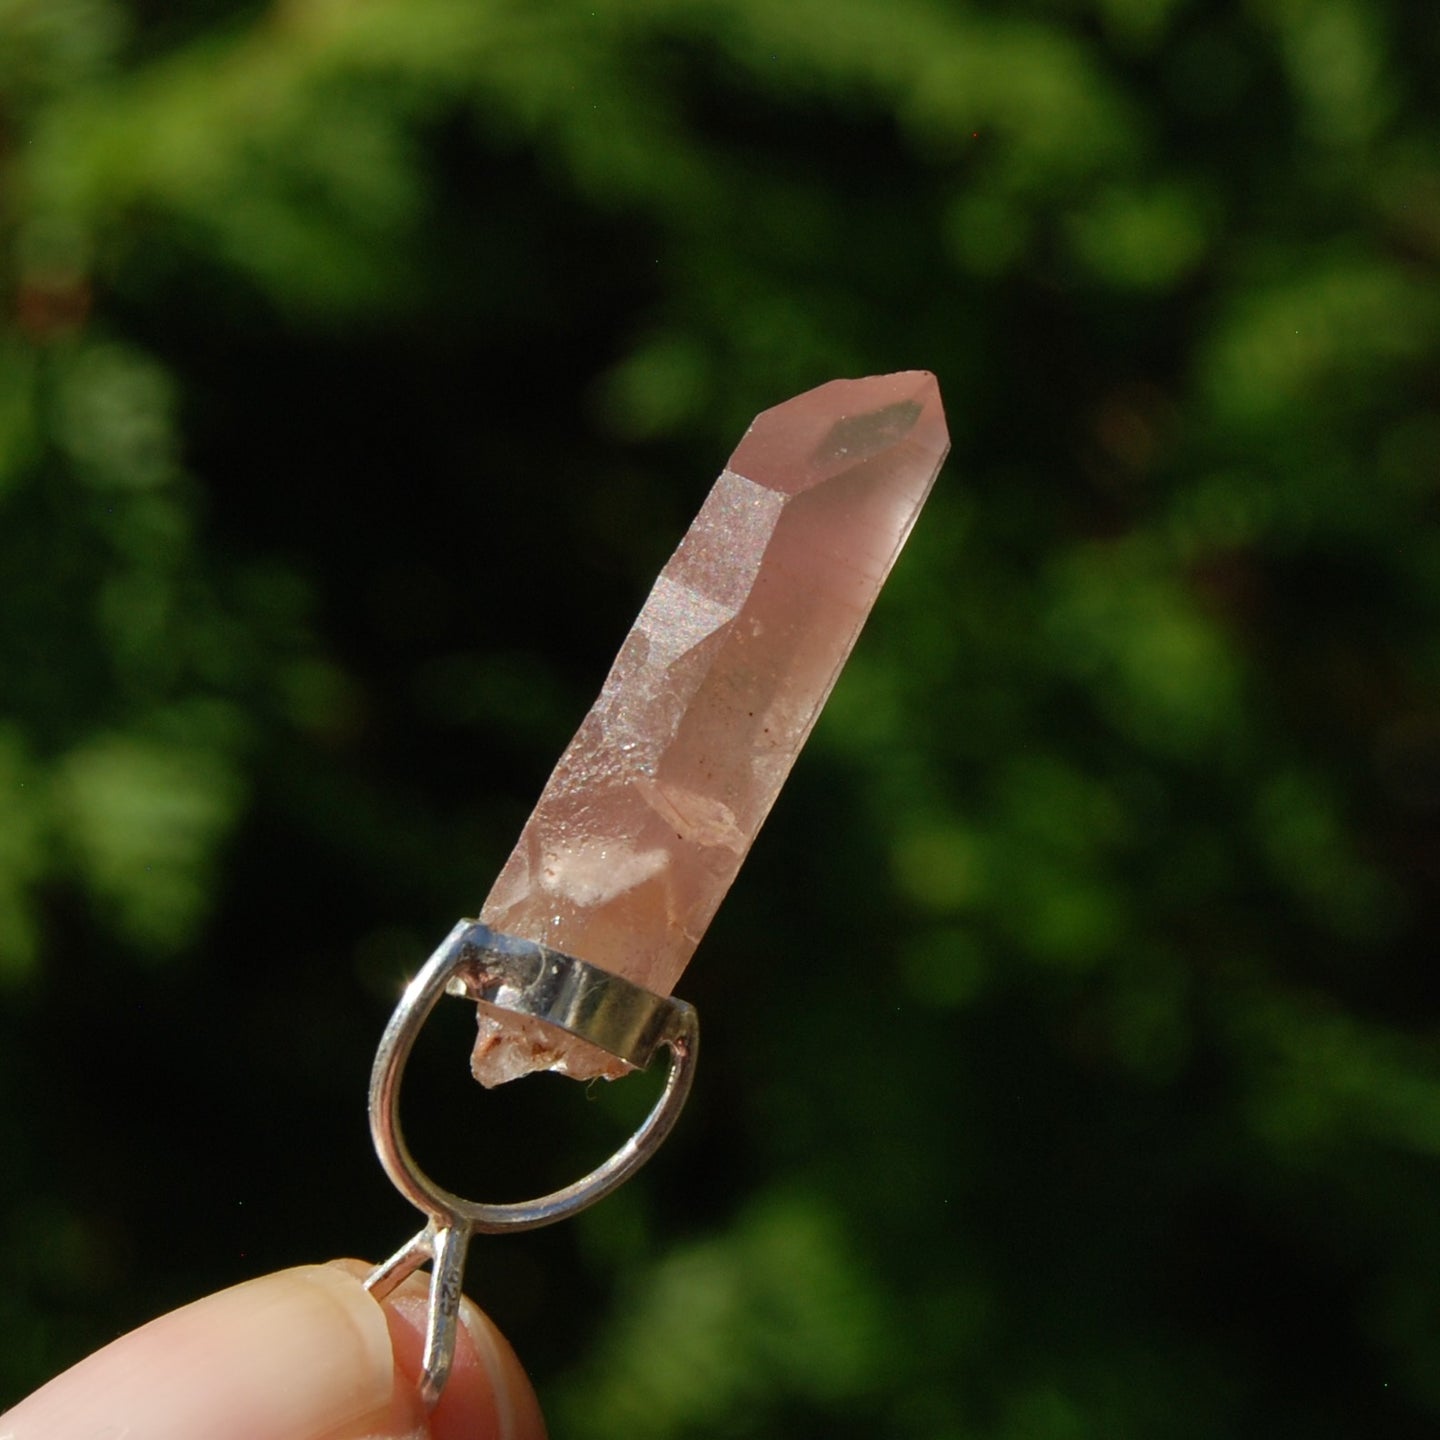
column 650, row 812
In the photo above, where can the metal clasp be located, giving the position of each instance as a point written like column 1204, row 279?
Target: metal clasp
column 532, row 980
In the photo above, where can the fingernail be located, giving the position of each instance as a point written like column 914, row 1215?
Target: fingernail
column 517, row 1412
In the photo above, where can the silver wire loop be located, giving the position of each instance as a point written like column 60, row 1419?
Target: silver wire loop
column 527, row 979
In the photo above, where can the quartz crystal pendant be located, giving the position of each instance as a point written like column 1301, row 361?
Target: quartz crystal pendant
column 650, row 812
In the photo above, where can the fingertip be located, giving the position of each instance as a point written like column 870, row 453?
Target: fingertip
column 291, row 1356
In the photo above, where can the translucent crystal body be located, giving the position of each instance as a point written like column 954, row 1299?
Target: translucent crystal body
column 651, row 809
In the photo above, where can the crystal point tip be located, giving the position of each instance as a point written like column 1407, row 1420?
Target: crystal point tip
column 834, row 427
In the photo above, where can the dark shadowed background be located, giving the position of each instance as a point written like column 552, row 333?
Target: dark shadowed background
column 1071, row 1062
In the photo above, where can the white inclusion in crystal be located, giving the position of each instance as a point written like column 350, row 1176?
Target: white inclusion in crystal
column 700, row 819
column 592, row 872
column 676, row 619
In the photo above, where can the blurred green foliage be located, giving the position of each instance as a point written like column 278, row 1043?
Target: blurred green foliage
column 1071, row 1061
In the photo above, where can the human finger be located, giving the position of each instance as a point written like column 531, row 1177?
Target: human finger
column 298, row 1355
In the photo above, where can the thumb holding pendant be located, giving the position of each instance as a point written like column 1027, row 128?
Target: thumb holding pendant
column 298, row 1355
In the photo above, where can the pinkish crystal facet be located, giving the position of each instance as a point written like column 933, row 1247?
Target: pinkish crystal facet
column 649, row 813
